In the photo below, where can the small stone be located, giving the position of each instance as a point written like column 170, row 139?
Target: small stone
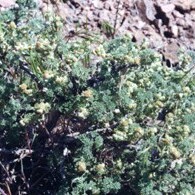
column 170, row 54
column 147, row 10
column 108, row 5
column 167, row 8
column 7, row 3
column 177, row 14
column 174, row 30
column 47, row 8
column 105, row 15
column 156, row 41
column 96, row 13
column 183, row 4
column 140, row 24
column 98, row 5
column 138, row 36
column 193, row 5
column 193, row 15
column 180, row 22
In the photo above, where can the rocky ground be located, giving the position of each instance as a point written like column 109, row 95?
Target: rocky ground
column 168, row 25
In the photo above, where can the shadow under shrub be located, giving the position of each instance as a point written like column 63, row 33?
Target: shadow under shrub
column 91, row 116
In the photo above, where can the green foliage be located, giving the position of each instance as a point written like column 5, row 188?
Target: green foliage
column 122, row 124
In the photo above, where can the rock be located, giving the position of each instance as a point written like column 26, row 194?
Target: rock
column 105, row 16
column 96, row 13
column 192, row 45
column 183, row 4
column 108, row 5
column 193, row 15
column 188, row 20
column 193, row 5
column 47, row 7
column 155, row 40
column 177, row 14
column 157, row 21
column 121, row 13
column 140, row 24
column 126, row 24
column 180, row 22
column 98, row 5
column 90, row 16
column 150, row 10
column 146, row 10
column 170, row 54
column 7, row 3
column 167, row 8
column 174, row 30
column 138, row 36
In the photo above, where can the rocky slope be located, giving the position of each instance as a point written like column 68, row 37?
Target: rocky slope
column 168, row 25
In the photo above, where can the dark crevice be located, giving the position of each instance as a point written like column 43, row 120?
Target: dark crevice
column 134, row 39
column 74, row 3
column 181, row 10
column 161, row 15
column 168, row 34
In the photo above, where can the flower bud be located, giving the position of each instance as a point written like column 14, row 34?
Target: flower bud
column 12, row 25
column 87, row 93
column 81, row 166
column 174, row 152
column 100, row 168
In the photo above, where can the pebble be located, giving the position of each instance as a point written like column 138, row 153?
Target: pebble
column 174, row 30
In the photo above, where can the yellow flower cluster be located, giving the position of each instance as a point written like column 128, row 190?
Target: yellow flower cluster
column 24, row 121
column 81, row 166
column 83, row 113
column 175, row 152
column 131, row 87
column 12, row 25
column 48, row 74
column 87, row 93
column 61, row 79
column 21, row 46
column 42, row 107
column 25, row 89
column 100, row 168
column 100, row 51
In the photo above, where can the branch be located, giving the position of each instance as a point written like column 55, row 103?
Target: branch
column 24, row 66
column 18, row 152
column 116, row 18
column 2, row 192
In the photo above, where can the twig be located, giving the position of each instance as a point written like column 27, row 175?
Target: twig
column 77, row 134
column 23, row 174
column 8, row 189
column 2, row 192
column 25, row 68
column 4, row 169
column 9, row 179
column 16, row 152
column 116, row 18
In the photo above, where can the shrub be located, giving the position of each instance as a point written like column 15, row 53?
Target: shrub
column 91, row 116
